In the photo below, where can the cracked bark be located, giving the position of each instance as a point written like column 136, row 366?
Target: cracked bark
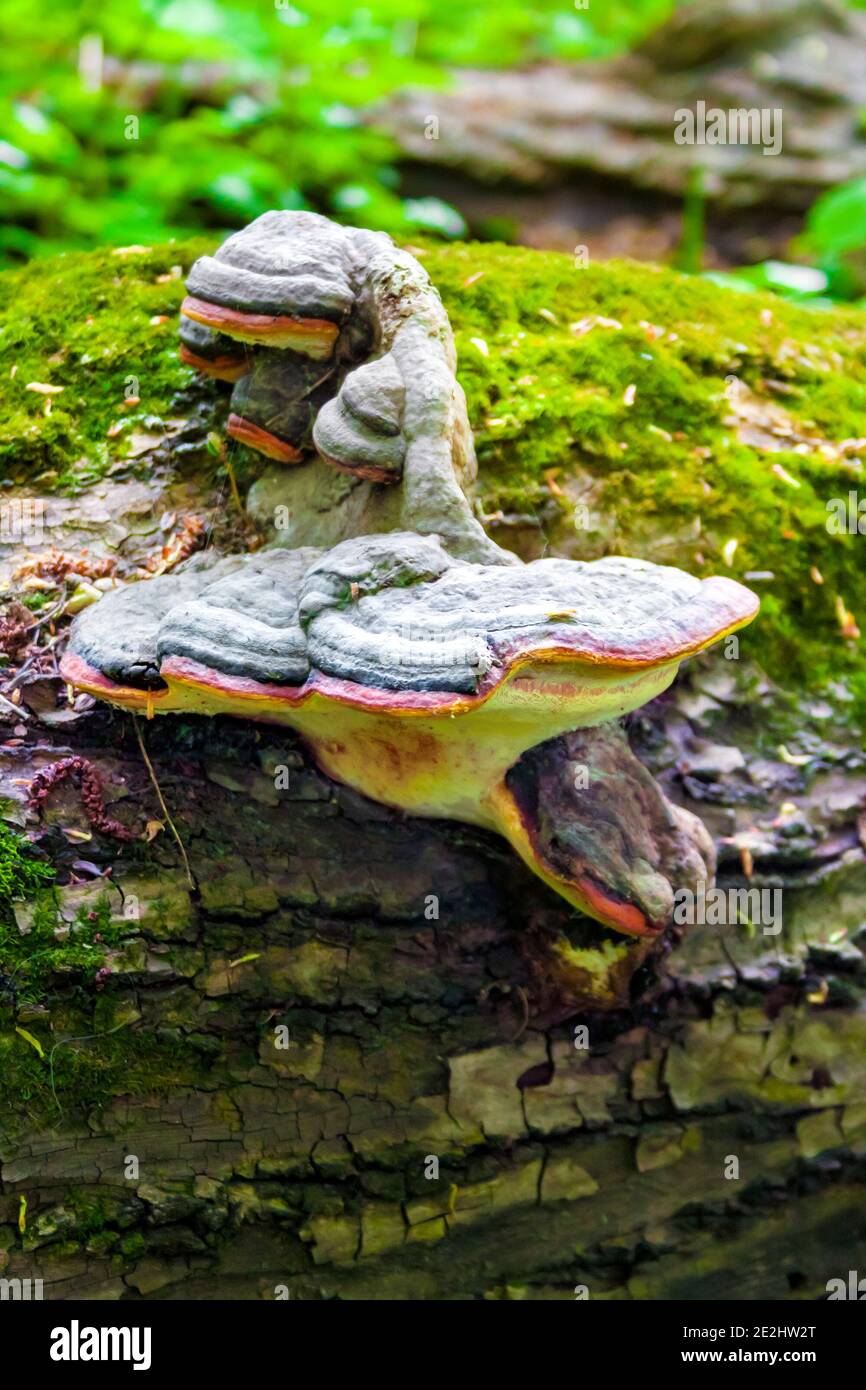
column 415, row 1037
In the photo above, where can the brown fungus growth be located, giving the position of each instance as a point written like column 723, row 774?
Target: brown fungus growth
column 423, row 666
column 374, row 396
column 82, row 771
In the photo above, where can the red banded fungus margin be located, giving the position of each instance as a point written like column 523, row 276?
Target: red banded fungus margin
column 423, row 665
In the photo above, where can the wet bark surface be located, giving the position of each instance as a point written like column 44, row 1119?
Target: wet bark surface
column 370, row 1079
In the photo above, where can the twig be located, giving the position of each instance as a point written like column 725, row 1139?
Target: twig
column 521, row 994
column 233, row 483
column 149, row 765
column 8, row 707
column 35, row 629
column 55, row 612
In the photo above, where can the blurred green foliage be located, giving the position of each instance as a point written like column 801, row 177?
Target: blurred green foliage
column 128, row 121
column 835, row 238
column 134, row 121
column 833, row 244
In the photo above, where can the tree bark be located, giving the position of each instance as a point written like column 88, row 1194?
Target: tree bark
column 436, row 1123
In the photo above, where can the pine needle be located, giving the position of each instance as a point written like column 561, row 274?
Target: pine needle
column 165, row 811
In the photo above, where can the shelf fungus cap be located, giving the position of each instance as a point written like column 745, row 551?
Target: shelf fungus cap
column 398, row 612
column 422, row 680
column 210, row 352
column 274, row 405
column 284, row 281
column 386, row 409
column 360, row 430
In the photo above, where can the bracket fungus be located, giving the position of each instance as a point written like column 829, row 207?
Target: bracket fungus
column 349, row 367
column 422, row 665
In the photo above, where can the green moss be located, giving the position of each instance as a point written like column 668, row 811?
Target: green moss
column 669, row 476
column 31, row 960
column 88, row 1211
column 133, row 1246
column 88, row 1070
column 85, row 322
column 21, row 875
column 50, row 972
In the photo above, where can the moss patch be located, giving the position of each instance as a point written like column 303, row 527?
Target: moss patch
column 642, row 420
column 87, row 1072
column 61, row 1046
column 21, row 875
column 619, row 436
column 31, row 959
column 103, row 326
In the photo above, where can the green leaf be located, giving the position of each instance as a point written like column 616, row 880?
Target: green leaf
column 34, row 1042
column 837, row 222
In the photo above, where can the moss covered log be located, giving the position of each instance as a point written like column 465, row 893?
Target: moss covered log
column 343, row 1058
column 617, row 408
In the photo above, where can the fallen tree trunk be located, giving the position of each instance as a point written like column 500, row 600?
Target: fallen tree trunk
column 335, row 1066
column 344, row 1056
column 551, row 124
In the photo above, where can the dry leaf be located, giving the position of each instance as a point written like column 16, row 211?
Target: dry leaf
column 550, row 475
column 44, row 388
column 793, row 759
column 847, row 622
